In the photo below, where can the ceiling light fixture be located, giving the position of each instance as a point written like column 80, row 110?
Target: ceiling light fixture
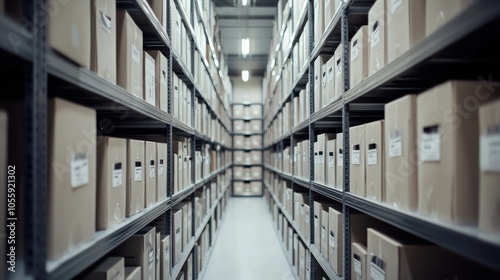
column 244, row 2
column 245, row 46
column 245, row 75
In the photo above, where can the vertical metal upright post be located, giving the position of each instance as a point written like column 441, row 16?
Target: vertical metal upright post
column 35, row 145
column 345, row 129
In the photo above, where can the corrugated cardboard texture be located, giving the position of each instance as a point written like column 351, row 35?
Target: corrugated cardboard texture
column 401, row 161
column 130, row 55
column 71, row 190
column 447, row 181
column 374, row 156
column 489, row 192
column 135, row 177
column 359, row 56
column 377, row 51
column 437, row 13
column 111, row 181
column 357, row 179
column 103, row 54
column 68, row 30
column 404, row 26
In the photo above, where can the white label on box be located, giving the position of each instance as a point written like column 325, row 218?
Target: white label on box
column 138, row 171
column 152, row 169
column 490, row 153
column 106, row 24
column 178, row 235
column 315, row 159
column 331, row 160
column 75, row 35
column 339, row 66
column 372, row 155
column 136, row 55
column 375, row 38
column 340, row 159
column 79, row 170
column 376, row 273
column 323, row 80
column 332, row 240
column 330, row 74
column 395, row 4
column 160, row 168
column 395, row 144
column 117, row 174
column 357, row 267
column 150, row 83
column 354, row 50
column 431, row 144
column 320, row 158
column 356, row 156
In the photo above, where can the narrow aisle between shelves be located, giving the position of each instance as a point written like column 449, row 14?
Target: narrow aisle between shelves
column 247, row 247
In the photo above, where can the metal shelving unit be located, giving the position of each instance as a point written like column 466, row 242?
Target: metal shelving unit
column 464, row 48
column 45, row 74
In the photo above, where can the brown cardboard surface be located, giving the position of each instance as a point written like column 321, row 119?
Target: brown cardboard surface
column 159, row 8
column 133, row 273
column 489, row 174
column 330, row 163
column 377, row 37
column 72, row 176
column 448, row 148
column 161, row 79
column 405, row 26
column 401, row 190
column 68, row 30
column 150, row 174
column 335, row 239
column 359, row 56
column 339, row 174
column 317, row 224
column 177, row 235
column 135, row 177
column 374, row 159
column 109, row 269
column 437, row 13
column 165, row 258
column 162, row 172
column 139, row 250
column 111, row 181
column 359, row 260
column 129, row 55
column 360, row 223
column 103, row 51
column 357, row 179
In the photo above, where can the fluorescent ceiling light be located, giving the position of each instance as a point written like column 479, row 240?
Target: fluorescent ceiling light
column 244, row 2
column 245, row 75
column 245, row 46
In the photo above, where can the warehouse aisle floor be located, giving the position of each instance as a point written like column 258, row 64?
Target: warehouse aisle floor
column 247, row 247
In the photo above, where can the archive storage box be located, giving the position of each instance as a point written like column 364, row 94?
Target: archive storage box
column 377, row 29
column 438, row 13
column 72, row 176
column 359, row 57
column 374, row 147
column 135, row 177
column 150, row 173
column 357, row 161
column 103, row 53
column 110, row 268
column 129, row 55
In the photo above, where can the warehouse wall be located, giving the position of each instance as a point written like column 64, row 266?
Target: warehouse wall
column 247, row 91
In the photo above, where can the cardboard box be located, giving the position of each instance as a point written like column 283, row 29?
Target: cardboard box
column 133, row 273
column 130, row 55
column 401, row 189
column 330, row 163
column 377, row 37
column 159, row 8
column 165, row 262
column 150, row 184
column 339, row 72
column 111, row 181
column 339, row 174
column 140, row 250
column 296, row 252
column 175, row 99
column 359, row 57
column 178, row 160
column 319, row 20
column 103, row 51
column 238, row 111
column 161, row 175
column 359, row 260
column 437, row 13
column 445, row 176
column 161, row 79
column 489, row 174
column 324, row 159
column 177, row 235
column 318, row 81
column 308, row 264
column 357, row 179
column 306, row 230
column 158, row 255
column 324, row 232
column 325, row 91
column 256, row 187
column 404, row 26
column 330, row 95
column 329, row 11
column 299, row 212
column 335, row 239
column 302, row 261
column 181, row 276
column 135, row 177
column 68, row 30
column 72, row 176
column 110, row 268
column 375, row 166
column 316, row 162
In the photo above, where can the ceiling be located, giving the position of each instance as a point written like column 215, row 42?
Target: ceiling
column 254, row 21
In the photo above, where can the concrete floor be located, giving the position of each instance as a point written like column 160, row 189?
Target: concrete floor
column 247, row 247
